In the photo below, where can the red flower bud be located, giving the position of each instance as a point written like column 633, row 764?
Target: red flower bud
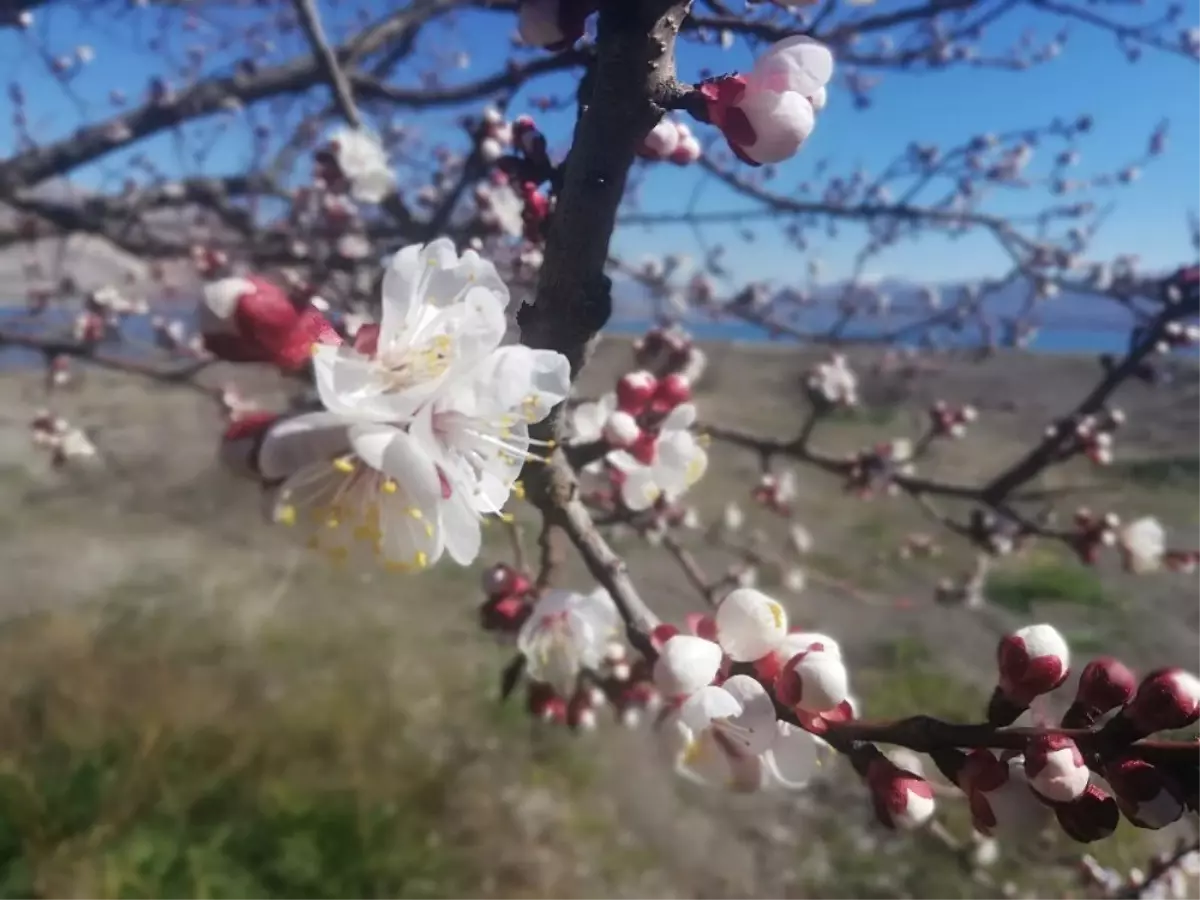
column 901, row 799
column 634, row 392
column 1092, row 816
column 1166, row 699
column 1148, row 796
column 1033, row 660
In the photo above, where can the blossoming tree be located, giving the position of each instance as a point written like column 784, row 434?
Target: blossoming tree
column 433, row 307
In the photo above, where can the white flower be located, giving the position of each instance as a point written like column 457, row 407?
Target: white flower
column 732, row 519
column 1143, row 543
column 477, row 431
column 834, row 382
column 677, row 461
column 441, row 316
column 662, row 139
column 718, row 730
column 566, row 633
column 357, row 489
column 363, row 161
column 800, row 538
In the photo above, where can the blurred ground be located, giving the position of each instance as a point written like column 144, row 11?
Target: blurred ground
column 192, row 707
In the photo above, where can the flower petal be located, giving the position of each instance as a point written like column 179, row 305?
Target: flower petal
column 685, row 664
column 295, row 442
column 753, row 729
column 795, row 756
column 750, row 624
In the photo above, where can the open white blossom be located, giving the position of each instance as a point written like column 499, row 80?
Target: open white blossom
column 677, row 462
column 441, row 317
column 477, row 432
column 1143, row 543
column 364, row 162
column 566, row 633
column 357, row 489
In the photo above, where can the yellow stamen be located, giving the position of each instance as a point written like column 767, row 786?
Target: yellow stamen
column 286, row 515
column 389, row 487
column 518, row 490
column 344, row 464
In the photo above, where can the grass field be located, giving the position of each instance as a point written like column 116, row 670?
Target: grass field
column 192, row 707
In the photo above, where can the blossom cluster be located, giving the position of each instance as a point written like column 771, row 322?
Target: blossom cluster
column 645, row 427
column 425, row 422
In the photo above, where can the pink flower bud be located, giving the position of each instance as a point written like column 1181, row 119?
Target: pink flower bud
column 1147, row 795
column 1104, row 684
column 687, row 152
column 502, row 580
column 901, row 799
column 1092, row 816
column 662, row 139
column 1055, row 768
column 813, row 681
column 253, row 320
column 634, row 392
column 1166, row 699
column 672, row 390
column 621, row 429
column 1033, row 660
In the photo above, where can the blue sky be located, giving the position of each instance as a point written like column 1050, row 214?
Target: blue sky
column 1091, row 76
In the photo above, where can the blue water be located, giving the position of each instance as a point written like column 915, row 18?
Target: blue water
column 1050, row 340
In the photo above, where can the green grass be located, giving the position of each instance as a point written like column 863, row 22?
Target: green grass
column 1182, row 471
column 1047, row 581
column 161, row 756
column 903, row 679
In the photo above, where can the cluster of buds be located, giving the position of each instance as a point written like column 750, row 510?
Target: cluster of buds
column 508, row 597
column 495, row 135
column 525, row 169
column 997, row 535
column 62, row 440
column 1093, row 533
column 672, row 141
column 1177, row 336
column 949, row 421
column 663, row 350
column 625, row 688
column 832, row 384
column 643, row 401
column 876, row 468
column 776, row 492
column 1091, row 436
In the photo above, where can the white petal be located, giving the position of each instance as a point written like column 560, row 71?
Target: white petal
column 753, row 729
column 705, row 705
column 685, row 664
column 781, row 123
column 462, row 529
column 824, row 681
column 640, row 490
column 797, row 63
column 795, row 756
column 302, row 440
column 680, row 418
column 396, row 454
column 349, row 385
column 750, row 624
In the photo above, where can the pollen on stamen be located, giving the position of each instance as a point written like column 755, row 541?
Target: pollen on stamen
column 344, row 464
column 286, row 515
column 518, row 490
column 415, row 512
column 389, row 487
